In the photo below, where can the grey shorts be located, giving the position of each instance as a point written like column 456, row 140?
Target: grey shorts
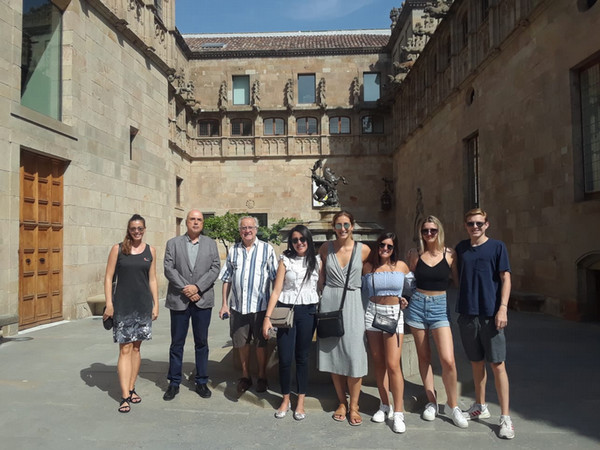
column 247, row 328
column 481, row 340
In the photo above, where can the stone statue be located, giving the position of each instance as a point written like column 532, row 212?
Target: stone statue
column 394, row 13
column 438, row 9
column 256, row 95
column 223, row 96
column 326, row 182
column 289, row 93
column 355, row 92
column 322, row 93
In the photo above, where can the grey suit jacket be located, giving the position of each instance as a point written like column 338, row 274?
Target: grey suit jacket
column 179, row 273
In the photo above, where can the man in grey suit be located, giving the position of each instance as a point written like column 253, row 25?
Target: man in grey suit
column 191, row 265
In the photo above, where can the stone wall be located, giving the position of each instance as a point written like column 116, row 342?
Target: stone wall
column 518, row 99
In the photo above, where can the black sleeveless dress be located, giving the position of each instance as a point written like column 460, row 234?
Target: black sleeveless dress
column 132, row 299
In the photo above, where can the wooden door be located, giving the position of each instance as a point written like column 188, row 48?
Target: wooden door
column 40, row 239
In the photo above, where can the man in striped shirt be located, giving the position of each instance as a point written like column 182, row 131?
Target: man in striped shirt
column 248, row 274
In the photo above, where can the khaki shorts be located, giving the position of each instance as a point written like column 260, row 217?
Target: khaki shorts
column 247, row 328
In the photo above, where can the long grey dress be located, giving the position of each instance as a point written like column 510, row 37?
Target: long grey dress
column 346, row 355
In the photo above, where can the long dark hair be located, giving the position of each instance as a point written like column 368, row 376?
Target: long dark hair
column 127, row 241
column 311, row 257
column 375, row 255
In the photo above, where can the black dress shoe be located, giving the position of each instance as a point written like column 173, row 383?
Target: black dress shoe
column 172, row 391
column 203, row 390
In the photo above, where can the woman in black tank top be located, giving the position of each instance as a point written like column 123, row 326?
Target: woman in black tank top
column 433, row 264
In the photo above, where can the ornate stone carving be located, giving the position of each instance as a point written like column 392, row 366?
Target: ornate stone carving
column 223, row 102
column 322, row 93
column 438, row 9
column 289, row 94
column 414, row 45
column 394, row 14
column 256, row 95
column 427, row 28
column 355, row 90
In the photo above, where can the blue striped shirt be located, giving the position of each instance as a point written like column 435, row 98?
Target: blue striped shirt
column 251, row 274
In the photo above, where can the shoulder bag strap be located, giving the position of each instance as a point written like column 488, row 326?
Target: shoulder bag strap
column 347, row 277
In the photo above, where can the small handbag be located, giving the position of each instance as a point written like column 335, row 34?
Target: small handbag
column 331, row 323
column 381, row 322
column 282, row 317
column 108, row 323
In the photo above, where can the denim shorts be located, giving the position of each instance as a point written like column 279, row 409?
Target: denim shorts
column 426, row 311
column 385, row 310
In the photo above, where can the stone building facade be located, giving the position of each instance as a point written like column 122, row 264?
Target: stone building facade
column 502, row 110
column 108, row 111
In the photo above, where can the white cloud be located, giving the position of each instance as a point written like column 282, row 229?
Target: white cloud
column 323, row 9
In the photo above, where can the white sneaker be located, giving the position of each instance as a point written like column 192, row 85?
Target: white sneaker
column 430, row 411
column 399, row 425
column 383, row 413
column 507, row 430
column 477, row 411
column 457, row 417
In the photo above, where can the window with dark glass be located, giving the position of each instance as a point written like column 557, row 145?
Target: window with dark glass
column 371, row 86
column 41, row 57
column 589, row 81
column 339, row 125
column 306, row 88
column 208, row 127
column 307, row 125
column 273, row 127
column 241, row 90
column 372, row 124
column 241, row 127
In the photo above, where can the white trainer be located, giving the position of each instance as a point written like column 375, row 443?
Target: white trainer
column 477, row 411
column 430, row 411
column 507, row 430
column 399, row 425
column 457, row 417
column 384, row 412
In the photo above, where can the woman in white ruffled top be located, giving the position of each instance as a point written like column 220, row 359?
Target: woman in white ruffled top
column 295, row 286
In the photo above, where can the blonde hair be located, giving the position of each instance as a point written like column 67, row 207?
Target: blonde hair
column 476, row 212
column 439, row 239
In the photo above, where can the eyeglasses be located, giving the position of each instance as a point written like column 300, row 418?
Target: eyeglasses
column 247, row 228
column 475, row 224
column 134, row 229
column 383, row 246
column 431, row 231
column 300, row 239
column 345, row 226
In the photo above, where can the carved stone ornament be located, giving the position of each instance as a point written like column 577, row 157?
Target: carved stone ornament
column 289, row 94
column 223, row 101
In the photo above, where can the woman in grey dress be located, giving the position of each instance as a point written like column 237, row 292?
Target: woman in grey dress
column 344, row 357
column 133, row 305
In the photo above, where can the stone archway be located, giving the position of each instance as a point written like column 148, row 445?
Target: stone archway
column 588, row 286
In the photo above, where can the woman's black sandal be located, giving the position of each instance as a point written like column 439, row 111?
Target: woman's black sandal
column 124, row 408
column 135, row 400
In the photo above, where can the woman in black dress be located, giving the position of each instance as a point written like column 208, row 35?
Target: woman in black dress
column 133, row 304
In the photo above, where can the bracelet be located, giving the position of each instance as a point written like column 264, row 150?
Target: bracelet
column 506, row 306
column 268, row 317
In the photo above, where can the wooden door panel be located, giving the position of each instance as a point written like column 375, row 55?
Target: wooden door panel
column 40, row 239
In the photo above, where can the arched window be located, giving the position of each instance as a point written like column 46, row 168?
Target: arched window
column 241, row 127
column 307, row 125
column 339, row 125
column 208, row 127
column 273, row 127
column 372, row 124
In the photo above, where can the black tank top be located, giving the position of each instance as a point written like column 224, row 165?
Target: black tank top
column 434, row 278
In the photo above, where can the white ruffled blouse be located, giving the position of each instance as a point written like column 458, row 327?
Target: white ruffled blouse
column 295, row 271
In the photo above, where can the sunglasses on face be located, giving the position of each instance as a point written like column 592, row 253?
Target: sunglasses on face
column 300, row 239
column 475, row 224
column 431, row 231
column 383, row 246
column 134, row 229
column 345, row 226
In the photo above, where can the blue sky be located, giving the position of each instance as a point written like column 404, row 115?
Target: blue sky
column 238, row 16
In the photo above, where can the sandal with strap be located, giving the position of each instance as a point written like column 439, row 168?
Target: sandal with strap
column 135, row 400
column 354, row 419
column 124, row 405
column 340, row 413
